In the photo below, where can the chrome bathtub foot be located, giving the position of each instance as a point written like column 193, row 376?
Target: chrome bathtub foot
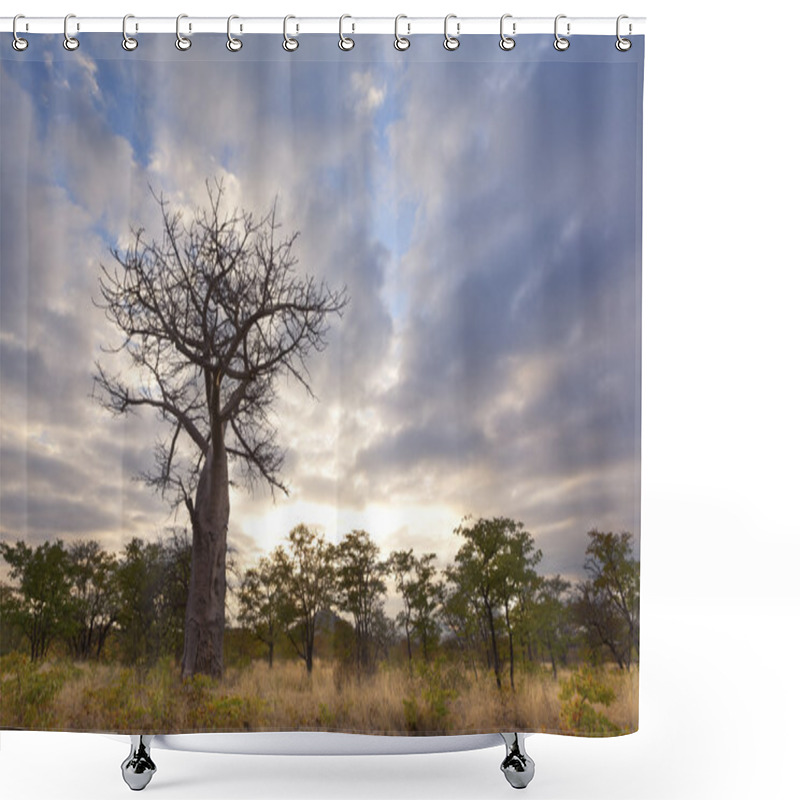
column 138, row 768
column 517, row 766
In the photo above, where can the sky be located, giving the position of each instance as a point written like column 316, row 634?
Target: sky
column 482, row 209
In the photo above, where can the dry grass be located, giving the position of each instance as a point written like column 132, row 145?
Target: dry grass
column 440, row 698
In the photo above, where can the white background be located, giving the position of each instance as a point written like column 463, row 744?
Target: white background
column 721, row 440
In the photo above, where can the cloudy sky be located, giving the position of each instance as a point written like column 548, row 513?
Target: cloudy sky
column 482, row 209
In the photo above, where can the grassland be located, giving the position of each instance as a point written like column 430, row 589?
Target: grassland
column 437, row 698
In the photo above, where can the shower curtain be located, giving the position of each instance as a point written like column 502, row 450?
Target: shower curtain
column 320, row 384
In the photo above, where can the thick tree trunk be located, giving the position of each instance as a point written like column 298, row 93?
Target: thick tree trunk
column 205, row 607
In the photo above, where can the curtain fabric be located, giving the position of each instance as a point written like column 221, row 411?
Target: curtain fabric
column 320, row 382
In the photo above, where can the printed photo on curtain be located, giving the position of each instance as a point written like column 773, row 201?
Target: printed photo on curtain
column 320, row 385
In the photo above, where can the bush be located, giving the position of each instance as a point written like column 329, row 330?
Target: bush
column 577, row 694
column 433, row 690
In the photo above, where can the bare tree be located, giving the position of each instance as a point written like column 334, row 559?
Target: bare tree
column 212, row 313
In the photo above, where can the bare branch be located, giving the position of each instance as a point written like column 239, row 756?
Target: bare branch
column 211, row 314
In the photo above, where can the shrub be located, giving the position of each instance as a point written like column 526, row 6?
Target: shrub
column 433, row 690
column 577, row 694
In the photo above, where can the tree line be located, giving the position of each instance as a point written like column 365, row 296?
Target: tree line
column 490, row 608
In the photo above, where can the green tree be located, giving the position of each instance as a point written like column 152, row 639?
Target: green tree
column 11, row 634
column 608, row 602
column 422, row 593
column 306, row 570
column 140, row 581
column 262, row 602
column 515, row 575
column 495, row 563
column 551, row 623
column 360, row 588
column 42, row 605
column 426, row 599
column 153, row 585
column 95, row 595
column 212, row 315
column 463, row 620
column 401, row 566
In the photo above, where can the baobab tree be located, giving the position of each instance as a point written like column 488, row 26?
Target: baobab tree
column 212, row 313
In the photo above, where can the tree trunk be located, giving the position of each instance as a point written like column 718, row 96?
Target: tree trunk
column 310, row 651
column 490, row 616
column 205, row 606
column 510, row 647
column 551, row 650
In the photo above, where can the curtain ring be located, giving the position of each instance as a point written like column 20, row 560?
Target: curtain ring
column 128, row 42
column 507, row 42
column 233, row 44
column 19, row 44
column 70, row 42
column 401, row 42
column 451, row 42
column 622, row 44
column 345, row 43
column 289, row 44
column 181, row 41
column 560, row 43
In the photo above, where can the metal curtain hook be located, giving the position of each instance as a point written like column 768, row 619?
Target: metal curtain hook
column 507, row 42
column 19, row 44
column 128, row 42
column 233, row 44
column 560, row 43
column 345, row 43
column 451, row 42
column 289, row 44
column 70, row 42
column 400, row 42
column 622, row 44
column 181, row 41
